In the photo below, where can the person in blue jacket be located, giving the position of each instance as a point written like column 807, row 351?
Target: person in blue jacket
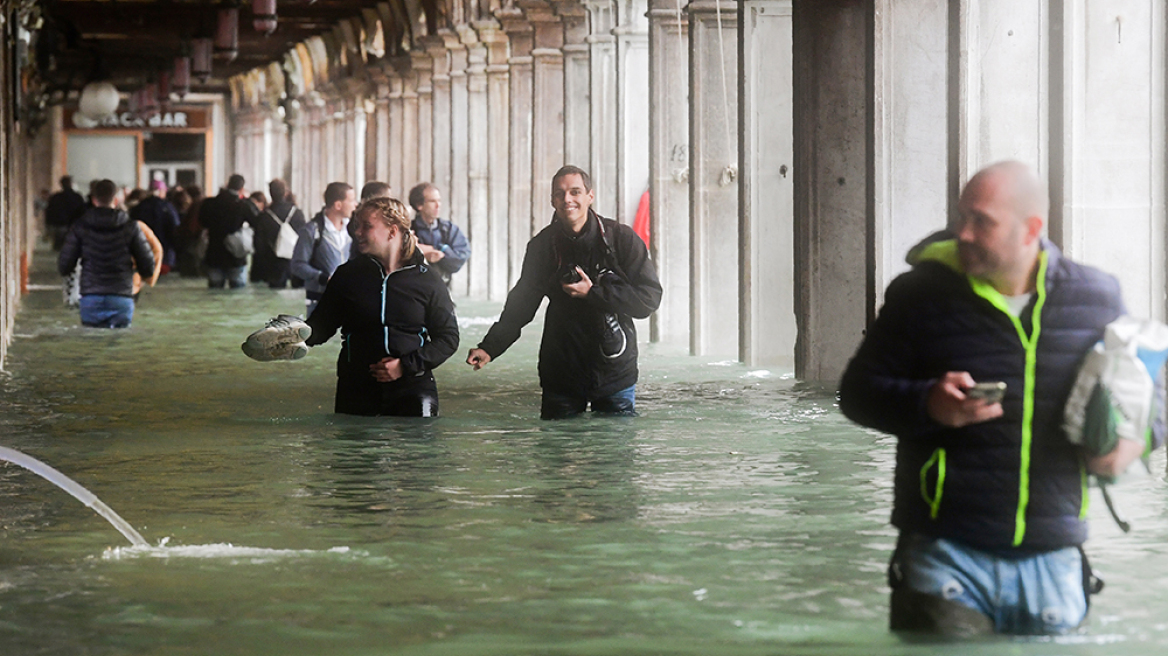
column 440, row 241
column 324, row 242
column 989, row 496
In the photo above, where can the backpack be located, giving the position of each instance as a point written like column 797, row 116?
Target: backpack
column 286, row 238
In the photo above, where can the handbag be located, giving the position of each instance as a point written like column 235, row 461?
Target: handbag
column 241, row 243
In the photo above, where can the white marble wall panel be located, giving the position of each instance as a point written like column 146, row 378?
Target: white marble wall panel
column 911, row 147
column 767, row 329
column 669, row 168
column 713, row 179
column 1113, row 211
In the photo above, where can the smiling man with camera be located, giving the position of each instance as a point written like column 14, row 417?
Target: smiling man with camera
column 597, row 276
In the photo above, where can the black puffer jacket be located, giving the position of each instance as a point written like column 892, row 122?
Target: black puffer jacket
column 109, row 246
column 1010, row 483
column 570, row 358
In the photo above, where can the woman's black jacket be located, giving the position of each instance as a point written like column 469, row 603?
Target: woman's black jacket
column 406, row 314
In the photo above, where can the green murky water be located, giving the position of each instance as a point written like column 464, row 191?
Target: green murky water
column 741, row 514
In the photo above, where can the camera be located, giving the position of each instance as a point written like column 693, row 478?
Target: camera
column 569, row 275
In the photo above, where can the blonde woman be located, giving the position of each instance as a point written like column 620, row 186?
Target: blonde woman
column 395, row 317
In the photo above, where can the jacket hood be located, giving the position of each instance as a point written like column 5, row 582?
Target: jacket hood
column 945, row 252
column 105, row 218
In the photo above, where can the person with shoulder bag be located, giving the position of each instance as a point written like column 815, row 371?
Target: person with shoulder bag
column 225, row 217
column 324, row 242
column 275, row 241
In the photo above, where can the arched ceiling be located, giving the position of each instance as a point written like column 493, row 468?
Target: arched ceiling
column 131, row 39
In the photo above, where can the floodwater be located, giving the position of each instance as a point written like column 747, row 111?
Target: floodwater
column 740, row 514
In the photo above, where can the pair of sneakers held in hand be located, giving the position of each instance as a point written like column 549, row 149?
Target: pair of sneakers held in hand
column 281, row 339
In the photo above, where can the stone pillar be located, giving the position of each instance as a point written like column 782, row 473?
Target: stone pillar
column 632, row 95
column 396, row 144
column 669, row 168
column 603, row 121
column 577, row 133
column 767, row 264
column 520, row 33
column 831, row 189
column 410, row 132
column 498, row 157
column 713, row 178
column 1108, row 144
column 547, row 116
column 440, row 125
column 478, row 176
column 423, row 69
column 456, row 195
column 382, row 143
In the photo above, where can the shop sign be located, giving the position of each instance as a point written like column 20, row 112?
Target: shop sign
column 174, row 119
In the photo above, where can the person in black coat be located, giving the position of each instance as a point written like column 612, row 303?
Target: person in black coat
column 160, row 216
column 110, row 247
column 597, row 277
column 396, row 319
column 267, row 264
column 63, row 209
column 221, row 216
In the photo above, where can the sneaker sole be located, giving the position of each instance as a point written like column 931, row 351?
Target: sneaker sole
column 260, row 354
column 267, row 338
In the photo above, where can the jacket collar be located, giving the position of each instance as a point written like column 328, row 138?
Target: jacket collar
column 945, row 253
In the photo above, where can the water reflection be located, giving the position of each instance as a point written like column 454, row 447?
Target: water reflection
column 386, row 472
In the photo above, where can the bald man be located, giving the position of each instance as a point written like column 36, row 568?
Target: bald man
column 989, row 495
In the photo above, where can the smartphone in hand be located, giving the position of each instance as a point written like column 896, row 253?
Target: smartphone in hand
column 988, row 392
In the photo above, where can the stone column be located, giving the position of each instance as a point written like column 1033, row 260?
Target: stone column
column 409, row 129
column 577, row 134
column 381, row 116
column 547, row 117
column 456, row 195
column 396, row 144
column 498, row 149
column 423, row 69
column 478, row 176
column 714, row 178
column 440, row 125
column 602, row 110
column 632, row 95
column 831, row 187
column 669, row 168
column 520, row 33
column 767, row 264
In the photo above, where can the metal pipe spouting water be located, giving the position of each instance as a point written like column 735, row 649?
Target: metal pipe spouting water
column 74, row 488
